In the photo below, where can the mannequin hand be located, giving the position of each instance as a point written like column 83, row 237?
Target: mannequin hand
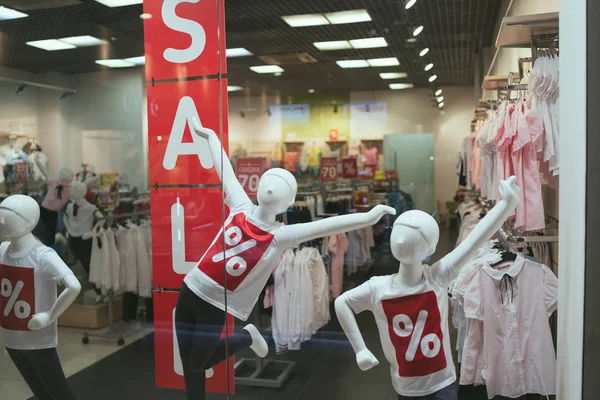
column 40, row 321
column 379, row 211
column 366, row 360
column 60, row 239
column 509, row 191
column 202, row 131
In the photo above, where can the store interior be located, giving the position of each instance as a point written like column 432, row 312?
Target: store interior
column 408, row 100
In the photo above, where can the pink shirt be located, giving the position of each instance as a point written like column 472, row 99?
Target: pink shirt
column 58, row 195
column 518, row 352
column 338, row 245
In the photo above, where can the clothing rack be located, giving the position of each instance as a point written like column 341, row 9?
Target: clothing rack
column 113, row 333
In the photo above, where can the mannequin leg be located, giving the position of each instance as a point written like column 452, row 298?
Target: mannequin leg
column 43, row 373
column 83, row 251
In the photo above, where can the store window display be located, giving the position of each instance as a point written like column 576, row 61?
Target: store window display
column 29, row 274
column 263, row 240
column 411, row 307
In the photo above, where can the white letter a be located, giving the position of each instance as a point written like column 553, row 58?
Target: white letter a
column 186, row 110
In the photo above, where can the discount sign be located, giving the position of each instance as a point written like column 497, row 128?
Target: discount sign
column 349, row 168
column 248, row 172
column 329, row 169
column 17, row 297
column 368, row 171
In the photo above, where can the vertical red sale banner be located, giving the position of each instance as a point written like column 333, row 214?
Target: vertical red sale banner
column 186, row 80
column 329, row 169
column 248, row 172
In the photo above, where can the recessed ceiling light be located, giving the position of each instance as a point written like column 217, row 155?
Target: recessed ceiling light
column 8, row 13
column 410, row 3
column 411, row 40
column 333, row 45
column 352, row 63
column 428, row 66
column 383, row 62
column 440, row 99
column 438, row 92
column 115, row 63
column 418, row 30
column 51, row 45
column 432, row 78
column 237, row 52
column 145, row 16
column 424, row 51
column 266, row 69
column 311, row 91
column 82, row 41
column 234, row 88
column 141, row 60
column 441, row 104
column 278, row 73
column 297, row 21
column 393, row 75
column 400, row 86
column 348, row 17
column 119, row 3
column 368, row 43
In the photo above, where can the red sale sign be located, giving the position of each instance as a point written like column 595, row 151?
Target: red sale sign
column 176, row 154
column 349, row 168
column 248, row 172
column 368, row 171
column 329, row 169
column 182, row 38
column 168, row 365
column 17, row 297
column 334, row 134
column 185, row 221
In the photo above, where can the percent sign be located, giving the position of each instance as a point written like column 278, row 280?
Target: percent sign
column 430, row 344
column 21, row 309
column 349, row 168
column 235, row 265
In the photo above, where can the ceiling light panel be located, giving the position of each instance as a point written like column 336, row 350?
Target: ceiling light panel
column 266, row 69
column 51, row 45
column 400, row 86
column 438, row 92
column 393, row 75
column 411, row 40
column 410, row 3
column 333, row 45
column 141, row 60
column 119, row 3
column 348, row 17
column 8, row 13
column 383, row 62
column 424, row 51
column 440, row 99
column 441, row 104
column 418, row 30
column 234, row 88
column 432, row 78
column 115, row 63
column 83, row 41
column 369, row 43
column 353, row 63
column 238, row 52
column 298, row 21
column 428, row 66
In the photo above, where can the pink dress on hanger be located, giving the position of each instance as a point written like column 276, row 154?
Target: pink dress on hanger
column 371, row 155
column 338, row 245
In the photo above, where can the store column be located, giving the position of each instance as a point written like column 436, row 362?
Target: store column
column 185, row 78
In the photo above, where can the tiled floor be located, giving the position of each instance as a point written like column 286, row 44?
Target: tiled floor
column 74, row 355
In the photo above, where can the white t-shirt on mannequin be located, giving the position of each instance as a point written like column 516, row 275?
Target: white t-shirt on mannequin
column 28, row 286
column 413, row 328
column 81, row 223
column 252, row 252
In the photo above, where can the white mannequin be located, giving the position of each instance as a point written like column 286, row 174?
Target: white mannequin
column 410, row 246
column 18, row 216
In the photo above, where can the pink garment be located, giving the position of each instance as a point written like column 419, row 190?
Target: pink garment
column 269, row 296
column 58, row 196
column 518, row 350
column 338, row 245
column 371, row 155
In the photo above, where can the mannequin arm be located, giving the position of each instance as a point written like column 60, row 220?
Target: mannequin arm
column 43, row 169
column 345, row 315
column 44, row 319
column 225, row 172
column 487, row 227
column 340, row 224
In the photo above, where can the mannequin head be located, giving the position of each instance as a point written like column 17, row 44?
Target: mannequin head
column 19, row 214
column 78, row 191
column 65, row 175
column 414, row 237
column 277, row 190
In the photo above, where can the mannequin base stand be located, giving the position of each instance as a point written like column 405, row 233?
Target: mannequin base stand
column 113, row 334
column 262, row 372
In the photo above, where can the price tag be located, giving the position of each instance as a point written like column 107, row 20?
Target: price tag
column 20, row 171
column 368, row 171
column 248, row 172
column 329, row 171
column 349, row 168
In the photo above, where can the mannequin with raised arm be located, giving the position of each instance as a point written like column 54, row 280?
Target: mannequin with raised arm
column 239, row 262
column 417, row 295
column 28, row 327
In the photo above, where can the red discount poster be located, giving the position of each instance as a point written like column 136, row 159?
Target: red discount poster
column 349, row 168
column 248, row 172
column 329, row 169
column 168, row 366
column 368, row 171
